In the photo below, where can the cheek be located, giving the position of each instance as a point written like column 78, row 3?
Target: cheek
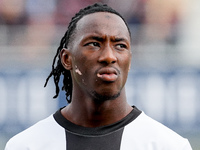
column 125, row 66
column 129, row 61
column 79, row 68
column 126, row 62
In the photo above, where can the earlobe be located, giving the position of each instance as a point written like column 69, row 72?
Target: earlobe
column 66, row 60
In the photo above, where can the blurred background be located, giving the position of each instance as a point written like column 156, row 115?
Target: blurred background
column 164, row 80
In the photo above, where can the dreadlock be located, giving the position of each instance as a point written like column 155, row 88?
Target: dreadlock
column 59, row 69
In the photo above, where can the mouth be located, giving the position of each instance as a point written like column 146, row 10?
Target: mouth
column 108, row 74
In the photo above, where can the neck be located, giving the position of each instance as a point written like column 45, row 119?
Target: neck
column 90, row 113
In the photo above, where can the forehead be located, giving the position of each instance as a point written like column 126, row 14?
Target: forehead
column 104, row 23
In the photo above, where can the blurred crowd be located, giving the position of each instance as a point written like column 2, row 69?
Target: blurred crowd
column 154, row 13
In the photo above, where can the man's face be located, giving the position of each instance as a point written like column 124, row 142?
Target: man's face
column 100, row 55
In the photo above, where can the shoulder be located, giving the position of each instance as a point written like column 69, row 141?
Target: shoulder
column 147, row 131
column 46, row 130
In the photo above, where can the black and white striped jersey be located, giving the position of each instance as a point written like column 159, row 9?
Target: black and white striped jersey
column 136, row 131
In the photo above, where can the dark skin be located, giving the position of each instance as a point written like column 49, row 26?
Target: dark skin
column 99, row 58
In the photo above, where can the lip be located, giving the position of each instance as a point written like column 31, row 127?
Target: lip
column 108, row 74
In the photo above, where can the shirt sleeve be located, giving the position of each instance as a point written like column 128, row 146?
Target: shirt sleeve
column 187, row 146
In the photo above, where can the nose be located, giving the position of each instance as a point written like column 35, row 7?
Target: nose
column 107, row 56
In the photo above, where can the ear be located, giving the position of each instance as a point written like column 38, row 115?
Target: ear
column 66, row 58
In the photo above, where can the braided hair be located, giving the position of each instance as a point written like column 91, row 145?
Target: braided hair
column 59, row 69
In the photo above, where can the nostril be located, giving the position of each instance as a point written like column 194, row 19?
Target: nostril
column 113, row 62
column 108, row 61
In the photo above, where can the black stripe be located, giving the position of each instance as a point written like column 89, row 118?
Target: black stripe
column 106, row 142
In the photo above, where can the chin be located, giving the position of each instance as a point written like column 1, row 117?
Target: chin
column 105, row 96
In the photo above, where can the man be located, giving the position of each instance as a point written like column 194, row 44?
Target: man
column 95, row 56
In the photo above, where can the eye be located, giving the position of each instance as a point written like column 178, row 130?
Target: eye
column 93, row 44
column 121, row 46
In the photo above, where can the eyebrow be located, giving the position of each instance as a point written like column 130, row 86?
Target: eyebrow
column 98, row 38
column 118, row 39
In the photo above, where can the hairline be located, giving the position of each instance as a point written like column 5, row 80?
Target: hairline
column 71, row 38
